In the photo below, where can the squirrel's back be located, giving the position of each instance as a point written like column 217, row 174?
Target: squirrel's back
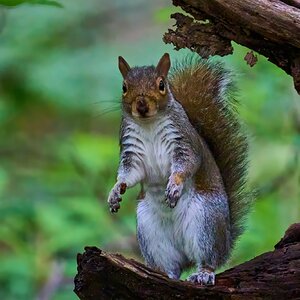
column 205, row 90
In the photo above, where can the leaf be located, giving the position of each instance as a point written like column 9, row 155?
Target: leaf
column 46, row 2
column 10, row 3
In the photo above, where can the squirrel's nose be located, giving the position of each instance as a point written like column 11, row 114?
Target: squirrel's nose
column 142, row 106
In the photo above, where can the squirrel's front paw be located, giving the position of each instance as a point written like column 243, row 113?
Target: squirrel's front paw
column 114, row 197
column 174, row 190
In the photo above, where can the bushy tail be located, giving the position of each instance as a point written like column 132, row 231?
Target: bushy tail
column 205, row 90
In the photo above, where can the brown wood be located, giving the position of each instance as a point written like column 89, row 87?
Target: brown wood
column 269, row 27
column 272, row 275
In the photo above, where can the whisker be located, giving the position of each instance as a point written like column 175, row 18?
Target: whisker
column 111, row 105
column 106, row 111
column 107, row 101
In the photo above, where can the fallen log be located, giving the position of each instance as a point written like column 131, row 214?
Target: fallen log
column 272, row 275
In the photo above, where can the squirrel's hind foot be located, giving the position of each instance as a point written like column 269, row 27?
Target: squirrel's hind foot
column 203, row 277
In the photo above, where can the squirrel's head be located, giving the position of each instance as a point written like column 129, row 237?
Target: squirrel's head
column 145, row 89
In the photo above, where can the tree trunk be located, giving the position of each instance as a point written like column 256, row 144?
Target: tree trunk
column 269, row 27
column 272, row 275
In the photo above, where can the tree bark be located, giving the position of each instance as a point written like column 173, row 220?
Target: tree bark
column 269, row 27
column 272, row 275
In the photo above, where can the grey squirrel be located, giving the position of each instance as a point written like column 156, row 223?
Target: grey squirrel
column 181, row 140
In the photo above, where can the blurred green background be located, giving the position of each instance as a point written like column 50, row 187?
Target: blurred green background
column 59, row 119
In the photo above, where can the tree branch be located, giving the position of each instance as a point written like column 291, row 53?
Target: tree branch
column 269, row 27
column 272, row 275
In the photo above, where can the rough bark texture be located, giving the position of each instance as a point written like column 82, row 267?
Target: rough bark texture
column 269, row 27
column 272, row 275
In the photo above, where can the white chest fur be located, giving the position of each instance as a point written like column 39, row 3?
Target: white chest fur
column 154, row 145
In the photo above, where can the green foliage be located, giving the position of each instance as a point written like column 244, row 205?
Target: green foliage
column 59, row 145
column 10, row 3
column 163, row 15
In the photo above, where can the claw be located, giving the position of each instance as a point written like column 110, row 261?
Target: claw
column 114, row 198
column 123, row 187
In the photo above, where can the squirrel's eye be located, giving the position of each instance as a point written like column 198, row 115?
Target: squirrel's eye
column 161, row 86
column 124, row 88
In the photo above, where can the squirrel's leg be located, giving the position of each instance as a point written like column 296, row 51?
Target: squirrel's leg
column 206, row 232
column 156, row 238
column 130, row 173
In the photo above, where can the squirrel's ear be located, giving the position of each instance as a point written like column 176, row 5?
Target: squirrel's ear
column 123, row 66
column 163, row 65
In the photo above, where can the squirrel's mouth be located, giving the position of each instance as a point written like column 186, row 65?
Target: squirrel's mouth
column 144, row 108
column 144, row 116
